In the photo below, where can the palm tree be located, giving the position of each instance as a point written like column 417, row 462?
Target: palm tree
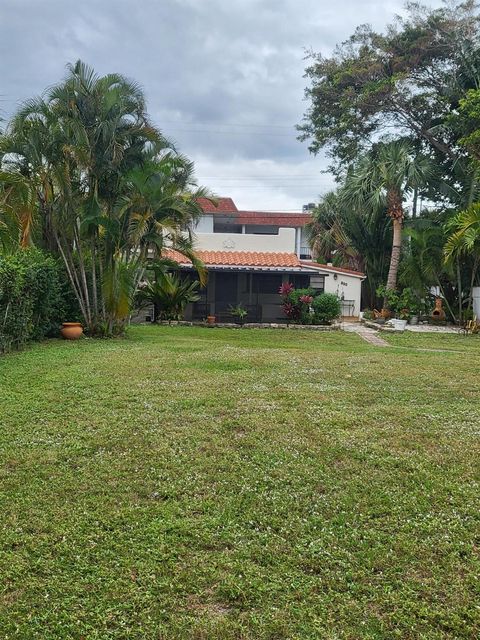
column 424, row 266
column 383, row 178
column 326, row 232
column 109, row 191
column 353, row 238
column 464, row 241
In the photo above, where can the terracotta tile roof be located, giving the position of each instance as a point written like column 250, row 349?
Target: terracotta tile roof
column 227, row 206
column 239, row 258
column 328, row 267
column 224, row 205
column 256, row 259
column 270, row 217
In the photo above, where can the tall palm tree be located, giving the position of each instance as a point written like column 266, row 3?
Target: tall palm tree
column 383, row 178
column 108, row 186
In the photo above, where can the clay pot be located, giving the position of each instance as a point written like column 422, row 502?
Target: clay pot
column 71, row 330
column 210, row 319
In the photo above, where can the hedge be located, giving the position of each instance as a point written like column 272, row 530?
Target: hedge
column 35, row 298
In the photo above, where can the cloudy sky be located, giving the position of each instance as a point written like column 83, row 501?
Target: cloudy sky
column 223, row 78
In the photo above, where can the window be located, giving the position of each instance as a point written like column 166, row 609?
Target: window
column 259, row 229
column 300, row 281
column 225, row 227
column 266, row 282
column 317, row 282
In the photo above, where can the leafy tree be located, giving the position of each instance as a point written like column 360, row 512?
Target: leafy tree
column 408, row 79
column 466, row 121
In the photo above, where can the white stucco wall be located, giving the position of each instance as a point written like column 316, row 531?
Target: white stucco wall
column 476, row 302
column 348, row 286
column 284, row 242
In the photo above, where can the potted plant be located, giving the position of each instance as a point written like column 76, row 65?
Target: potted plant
column 211, row 319
column 238, row 312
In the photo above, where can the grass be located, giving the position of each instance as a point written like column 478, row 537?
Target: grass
column 189, row 483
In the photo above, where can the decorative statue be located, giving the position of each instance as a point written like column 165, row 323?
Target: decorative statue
column 438, row 313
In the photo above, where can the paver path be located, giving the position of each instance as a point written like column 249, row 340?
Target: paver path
column 369, row 335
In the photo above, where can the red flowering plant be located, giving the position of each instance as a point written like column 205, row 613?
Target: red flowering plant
column 296, row 303
column 286, row 289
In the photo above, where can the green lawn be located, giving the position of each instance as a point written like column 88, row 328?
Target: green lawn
column 190, row 483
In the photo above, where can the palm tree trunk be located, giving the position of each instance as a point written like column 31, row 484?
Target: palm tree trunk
column 94, row 278
column 449, row 308
column 460, row 292
column 415, row 201
column 396, row 250
column 83, row 278
column 472, row 281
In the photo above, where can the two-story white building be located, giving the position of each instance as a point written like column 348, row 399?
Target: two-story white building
column 249, row 254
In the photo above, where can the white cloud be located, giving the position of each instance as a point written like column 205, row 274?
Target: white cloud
column 224, row 79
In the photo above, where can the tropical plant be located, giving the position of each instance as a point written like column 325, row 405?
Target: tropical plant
column 238, row 311
column 404, row 304
column 423, row 266
column 327, row 233
column 305, row 306
column 352, row 237
column 382, row 178
column 168, row 293
column 100, row 185
column 464, row 242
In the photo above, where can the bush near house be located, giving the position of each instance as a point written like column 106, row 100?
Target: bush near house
column 34, row 298
column 304, row 306
column 326, row 307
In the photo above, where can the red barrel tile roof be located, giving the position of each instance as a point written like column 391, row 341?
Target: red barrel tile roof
column 282, row 219
column 238, row 258
column 224, row 205
column 255, row 259
column 276, row 219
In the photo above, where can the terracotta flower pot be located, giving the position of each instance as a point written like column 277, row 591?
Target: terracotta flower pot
column 210, row 319
column 71, row 330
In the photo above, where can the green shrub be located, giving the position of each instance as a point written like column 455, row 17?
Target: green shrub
column 34, row 298
column 326, row 308
column 302, row 306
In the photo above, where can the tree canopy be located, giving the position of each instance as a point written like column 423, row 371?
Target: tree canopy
column 404, row 82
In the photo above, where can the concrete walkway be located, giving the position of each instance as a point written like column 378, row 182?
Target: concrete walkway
column 373, row 337
column 369, row 335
